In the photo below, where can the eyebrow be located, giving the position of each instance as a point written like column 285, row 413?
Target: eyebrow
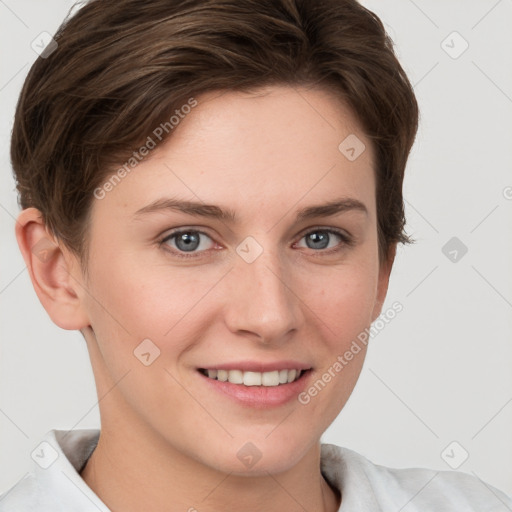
column 212, row 211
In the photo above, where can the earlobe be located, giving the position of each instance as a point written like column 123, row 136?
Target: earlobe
column 50, row 271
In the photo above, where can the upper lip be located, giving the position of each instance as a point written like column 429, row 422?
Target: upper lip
column 255, row 366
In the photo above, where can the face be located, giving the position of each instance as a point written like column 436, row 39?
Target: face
column 270, row 286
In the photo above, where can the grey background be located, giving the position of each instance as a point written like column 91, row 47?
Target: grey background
column 441, row 370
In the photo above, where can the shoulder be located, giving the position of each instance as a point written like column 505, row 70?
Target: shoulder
column 54, row 484
column 25, row 496
column 365, row 484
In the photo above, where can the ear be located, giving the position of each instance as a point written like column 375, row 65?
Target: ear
column 383, row 281
column 53, row 271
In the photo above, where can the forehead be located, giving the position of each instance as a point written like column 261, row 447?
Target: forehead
column 269, row 149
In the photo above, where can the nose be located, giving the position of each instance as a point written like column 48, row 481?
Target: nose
column 261, row 301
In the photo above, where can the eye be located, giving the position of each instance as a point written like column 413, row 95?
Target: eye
column 189, row 243
column 321, row 238
column 186, row 241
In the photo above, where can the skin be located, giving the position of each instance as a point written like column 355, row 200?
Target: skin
column 163, row 430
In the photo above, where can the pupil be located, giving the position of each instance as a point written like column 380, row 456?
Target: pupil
column 188, row 241
column 319, row 238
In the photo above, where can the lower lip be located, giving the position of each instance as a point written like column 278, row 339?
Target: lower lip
column 261, row 397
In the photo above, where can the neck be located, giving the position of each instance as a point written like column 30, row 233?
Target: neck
column 132, row 469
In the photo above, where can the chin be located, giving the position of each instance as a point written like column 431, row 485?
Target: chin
column 253, row 456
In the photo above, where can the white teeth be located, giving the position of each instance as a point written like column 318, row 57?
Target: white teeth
column 268, row 379
column 252, row 379
column 235, row 376
column 222, row 375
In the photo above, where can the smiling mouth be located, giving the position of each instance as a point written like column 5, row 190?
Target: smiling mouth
column 247, row 378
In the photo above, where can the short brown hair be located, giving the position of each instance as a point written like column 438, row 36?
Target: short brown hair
column 121, row 68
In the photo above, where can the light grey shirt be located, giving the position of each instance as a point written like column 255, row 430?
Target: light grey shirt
column 54, row 483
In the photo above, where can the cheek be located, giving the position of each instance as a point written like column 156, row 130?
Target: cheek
column 342, row 299
column 129, row 302
column 341, row 311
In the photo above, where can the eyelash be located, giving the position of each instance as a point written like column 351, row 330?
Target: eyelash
column 346, row 241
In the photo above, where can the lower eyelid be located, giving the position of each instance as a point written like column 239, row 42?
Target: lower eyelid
column 175, row 234
column 344, row 237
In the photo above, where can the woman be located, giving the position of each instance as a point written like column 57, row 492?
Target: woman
column 212, row 195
